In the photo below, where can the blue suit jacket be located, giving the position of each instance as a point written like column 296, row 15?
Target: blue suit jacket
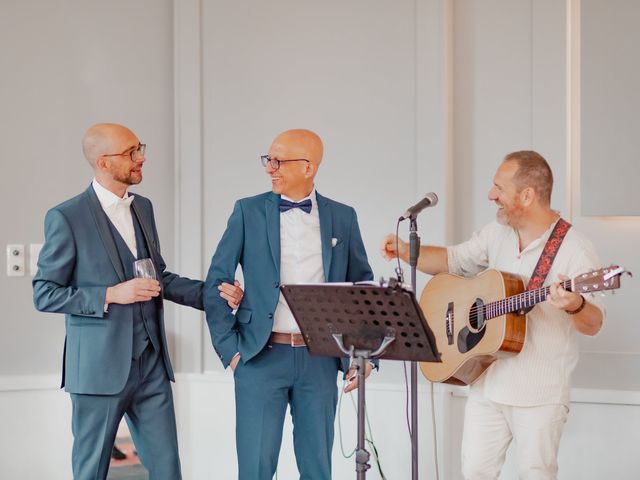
column 78, row 261
column 252, row 239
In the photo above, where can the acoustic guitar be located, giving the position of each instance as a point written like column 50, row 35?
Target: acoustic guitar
column 477, row 320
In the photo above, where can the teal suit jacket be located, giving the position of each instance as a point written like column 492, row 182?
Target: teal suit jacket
column 77, row 263
column 252, row 239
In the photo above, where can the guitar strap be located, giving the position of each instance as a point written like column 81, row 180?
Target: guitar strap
column 548, row 254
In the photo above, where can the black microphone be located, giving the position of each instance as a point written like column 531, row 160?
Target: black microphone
column 430, row 200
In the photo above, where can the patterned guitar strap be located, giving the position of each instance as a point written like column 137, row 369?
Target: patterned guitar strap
column 547, row 256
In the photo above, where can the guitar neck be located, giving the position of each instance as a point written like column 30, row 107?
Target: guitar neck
column 522, row 301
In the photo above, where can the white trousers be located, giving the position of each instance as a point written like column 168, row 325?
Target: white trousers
column 489, row 428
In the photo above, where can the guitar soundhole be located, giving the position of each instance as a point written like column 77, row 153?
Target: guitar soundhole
column 476, row 316
column 470, row 336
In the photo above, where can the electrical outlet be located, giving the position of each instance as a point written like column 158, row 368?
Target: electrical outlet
column 15, row 260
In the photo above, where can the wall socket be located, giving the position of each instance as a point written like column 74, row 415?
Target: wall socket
column 15, row 260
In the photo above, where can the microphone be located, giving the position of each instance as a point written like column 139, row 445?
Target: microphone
column 430, row 200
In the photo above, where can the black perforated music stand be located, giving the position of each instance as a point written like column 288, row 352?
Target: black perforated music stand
column 363, row 322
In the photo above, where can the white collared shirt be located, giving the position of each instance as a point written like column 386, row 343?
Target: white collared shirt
column 119, row 212
column 300, row 256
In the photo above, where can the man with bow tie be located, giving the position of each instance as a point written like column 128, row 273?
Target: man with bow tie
column 289, row 235
column 116, row 361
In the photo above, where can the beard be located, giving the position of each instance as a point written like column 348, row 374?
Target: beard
column 509, row 215
column 129, row 178
column 502, row 217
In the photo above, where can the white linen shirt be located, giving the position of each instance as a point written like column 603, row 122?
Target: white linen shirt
column 540, row 373
column 300, row 256
column 119, row 212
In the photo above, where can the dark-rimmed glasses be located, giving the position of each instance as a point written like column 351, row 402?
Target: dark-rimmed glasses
column 275, row 163
column 135, row 153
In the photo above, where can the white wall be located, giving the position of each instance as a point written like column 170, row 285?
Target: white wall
column 409, row 96
column 609, row 107
column 345, row 70
column 214, row 427
column 66, row 65
column 509, row 94
column 36, row 429
column 487, row 79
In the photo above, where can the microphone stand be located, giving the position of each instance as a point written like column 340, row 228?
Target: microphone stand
column 414, row 253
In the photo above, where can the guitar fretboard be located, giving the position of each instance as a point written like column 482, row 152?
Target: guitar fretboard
column 521, row 301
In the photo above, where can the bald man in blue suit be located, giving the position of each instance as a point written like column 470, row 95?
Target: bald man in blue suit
column 116, row 362
column 289, row 235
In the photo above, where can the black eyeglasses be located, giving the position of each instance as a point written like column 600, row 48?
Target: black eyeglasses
column 275, row 163
column 136, row 153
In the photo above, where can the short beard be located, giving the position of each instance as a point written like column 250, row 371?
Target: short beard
column 512, row 219
column 128, row 179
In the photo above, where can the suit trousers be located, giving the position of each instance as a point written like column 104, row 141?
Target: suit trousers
column 489, row 428
column 147, row 404
column 278, row 376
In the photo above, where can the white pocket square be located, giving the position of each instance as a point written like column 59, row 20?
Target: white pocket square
column 334, row 242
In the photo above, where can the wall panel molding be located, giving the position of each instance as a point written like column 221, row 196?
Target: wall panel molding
column 188, row 329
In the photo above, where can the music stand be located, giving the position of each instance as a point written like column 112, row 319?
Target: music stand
column 362, row 321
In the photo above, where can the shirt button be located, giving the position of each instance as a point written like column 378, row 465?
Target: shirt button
column 276, row 284
column 270, row 315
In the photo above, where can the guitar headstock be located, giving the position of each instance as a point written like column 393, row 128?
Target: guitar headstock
column 607, row 278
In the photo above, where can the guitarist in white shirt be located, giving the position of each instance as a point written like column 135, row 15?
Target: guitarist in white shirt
column 523, row 397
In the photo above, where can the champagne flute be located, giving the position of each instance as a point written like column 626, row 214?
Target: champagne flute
column 144, row 268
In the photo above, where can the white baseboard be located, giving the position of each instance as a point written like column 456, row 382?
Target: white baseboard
column 26, row 383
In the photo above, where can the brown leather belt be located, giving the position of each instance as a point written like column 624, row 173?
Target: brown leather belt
column 292, row 339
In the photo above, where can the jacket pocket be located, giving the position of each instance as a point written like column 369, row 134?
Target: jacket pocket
column 78, row 321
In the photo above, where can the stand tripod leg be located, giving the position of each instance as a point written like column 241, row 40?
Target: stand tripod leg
column 362, row 455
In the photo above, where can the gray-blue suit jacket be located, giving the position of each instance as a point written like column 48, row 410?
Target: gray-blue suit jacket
column 252, row 239
column 78, row 261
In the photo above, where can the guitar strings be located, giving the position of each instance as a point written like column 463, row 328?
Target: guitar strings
column 520, row 298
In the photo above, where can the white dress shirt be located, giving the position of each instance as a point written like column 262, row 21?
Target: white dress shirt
column 300, row 256
column 119, row 212
column 540, row 374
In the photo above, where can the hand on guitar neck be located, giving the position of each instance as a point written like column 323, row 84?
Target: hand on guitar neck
column 586, row 317
column 432, row 260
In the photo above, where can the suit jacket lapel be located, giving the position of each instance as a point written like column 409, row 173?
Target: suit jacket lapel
column 272, row 214
column 146, row 231
column 103, row 231
column 326, row 232
column 151, row 245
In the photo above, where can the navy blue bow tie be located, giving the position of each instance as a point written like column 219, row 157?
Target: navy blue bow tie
column 286, row 205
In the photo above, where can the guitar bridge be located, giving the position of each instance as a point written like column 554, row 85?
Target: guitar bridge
column 449, row 324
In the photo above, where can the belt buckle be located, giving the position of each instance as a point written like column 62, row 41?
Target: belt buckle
column 293, row 340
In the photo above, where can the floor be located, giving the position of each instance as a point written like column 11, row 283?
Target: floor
column 129, row 468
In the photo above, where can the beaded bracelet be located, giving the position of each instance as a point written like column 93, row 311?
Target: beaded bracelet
column 579, row 309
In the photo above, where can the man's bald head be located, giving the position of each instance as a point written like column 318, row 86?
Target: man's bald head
column 102, row 139
column 300, row 154
column 116, row 156
column 298, row 143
